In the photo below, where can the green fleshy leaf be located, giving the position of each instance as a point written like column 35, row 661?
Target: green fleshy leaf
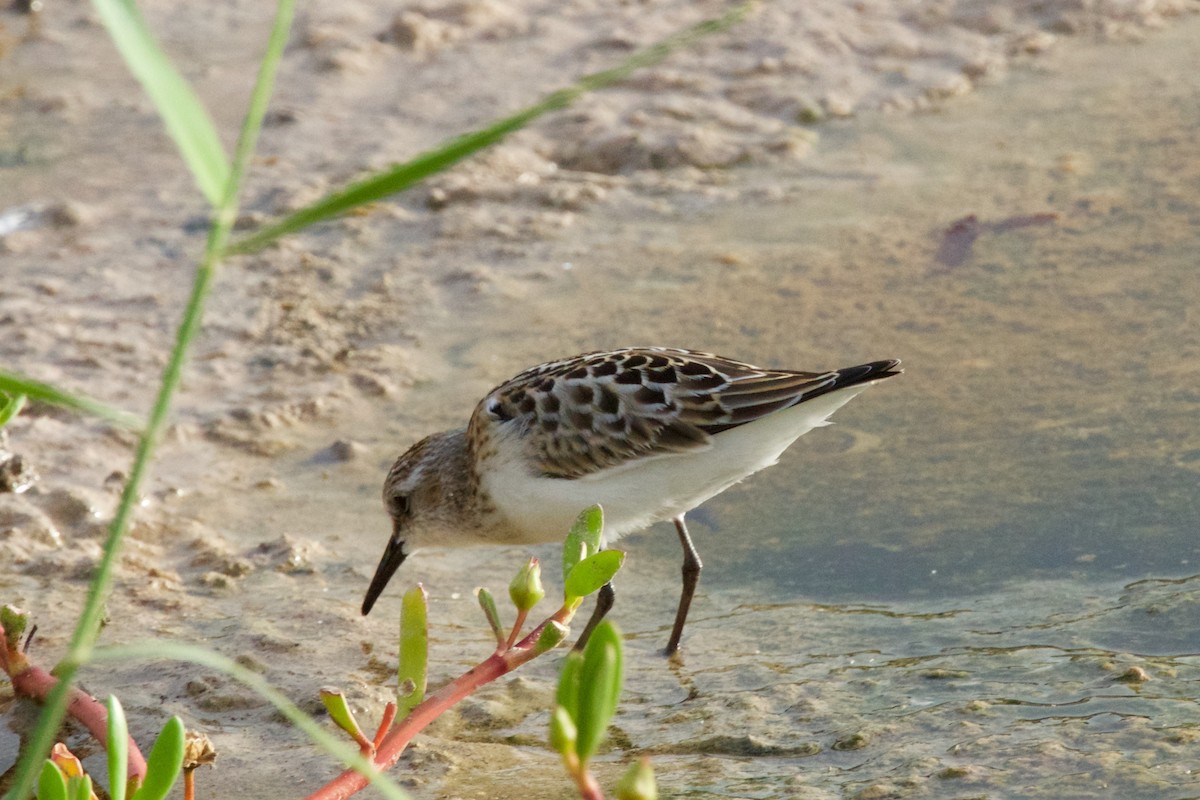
column 181, row 110
column 488, row 604
column 567, row 696
column 339, row 711
column 583, row 539
column 165, row 762
column 52, row 784
column 593, row 572
column 80, row 788
column 562, row 731
column 118, row 749
column 599, row 688
column 593, row 518
column 414, row 650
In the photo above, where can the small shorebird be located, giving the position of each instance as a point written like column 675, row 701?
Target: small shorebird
column 649, row 433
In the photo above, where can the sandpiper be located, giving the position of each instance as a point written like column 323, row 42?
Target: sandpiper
column 649, row 433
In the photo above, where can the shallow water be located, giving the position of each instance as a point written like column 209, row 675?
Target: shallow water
column 1044, row 429
column 935, row 597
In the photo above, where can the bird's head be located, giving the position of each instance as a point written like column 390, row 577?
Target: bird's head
column 424, row 494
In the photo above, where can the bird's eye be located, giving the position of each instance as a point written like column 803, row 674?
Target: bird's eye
column 496, row 409
column 401, row 504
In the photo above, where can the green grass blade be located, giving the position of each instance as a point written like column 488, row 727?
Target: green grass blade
column 414, row 650
column 118, row 749
column 255, row 112
column 10, row 406
column 396, row 179
column 86, row 631
column 184, row 115
column 379, row 186
column 14, row 384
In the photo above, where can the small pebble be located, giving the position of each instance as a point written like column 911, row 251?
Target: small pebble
column 1133, row 675
column 346, row 450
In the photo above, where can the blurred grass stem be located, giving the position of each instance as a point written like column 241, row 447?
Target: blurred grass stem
column 87, row 630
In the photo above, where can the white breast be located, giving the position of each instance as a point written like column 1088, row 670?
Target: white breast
column 639, row 493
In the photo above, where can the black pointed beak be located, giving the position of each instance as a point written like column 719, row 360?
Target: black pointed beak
column 393, row 557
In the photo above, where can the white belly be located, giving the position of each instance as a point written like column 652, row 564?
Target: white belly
column 640, row 493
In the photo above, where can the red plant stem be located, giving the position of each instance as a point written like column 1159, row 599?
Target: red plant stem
column 365, row 745
column 189, row 784
column 516, row 629
column 389, row 716
column 586, row 784
column 36, row 684
column 393, row 744
column 589, row 788
column 392, row 747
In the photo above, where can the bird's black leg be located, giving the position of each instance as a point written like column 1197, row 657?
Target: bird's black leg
column 691, row 576
column 604, row 603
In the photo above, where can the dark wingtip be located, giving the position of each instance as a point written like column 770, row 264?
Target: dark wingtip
column 863, row 373
column 853, row 376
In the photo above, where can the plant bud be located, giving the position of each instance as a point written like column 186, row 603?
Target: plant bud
column 526, row 588
column 551, row 636
column 14, row 621
column 638, row 782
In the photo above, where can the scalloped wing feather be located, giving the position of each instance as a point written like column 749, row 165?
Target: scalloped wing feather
column 595, row 411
